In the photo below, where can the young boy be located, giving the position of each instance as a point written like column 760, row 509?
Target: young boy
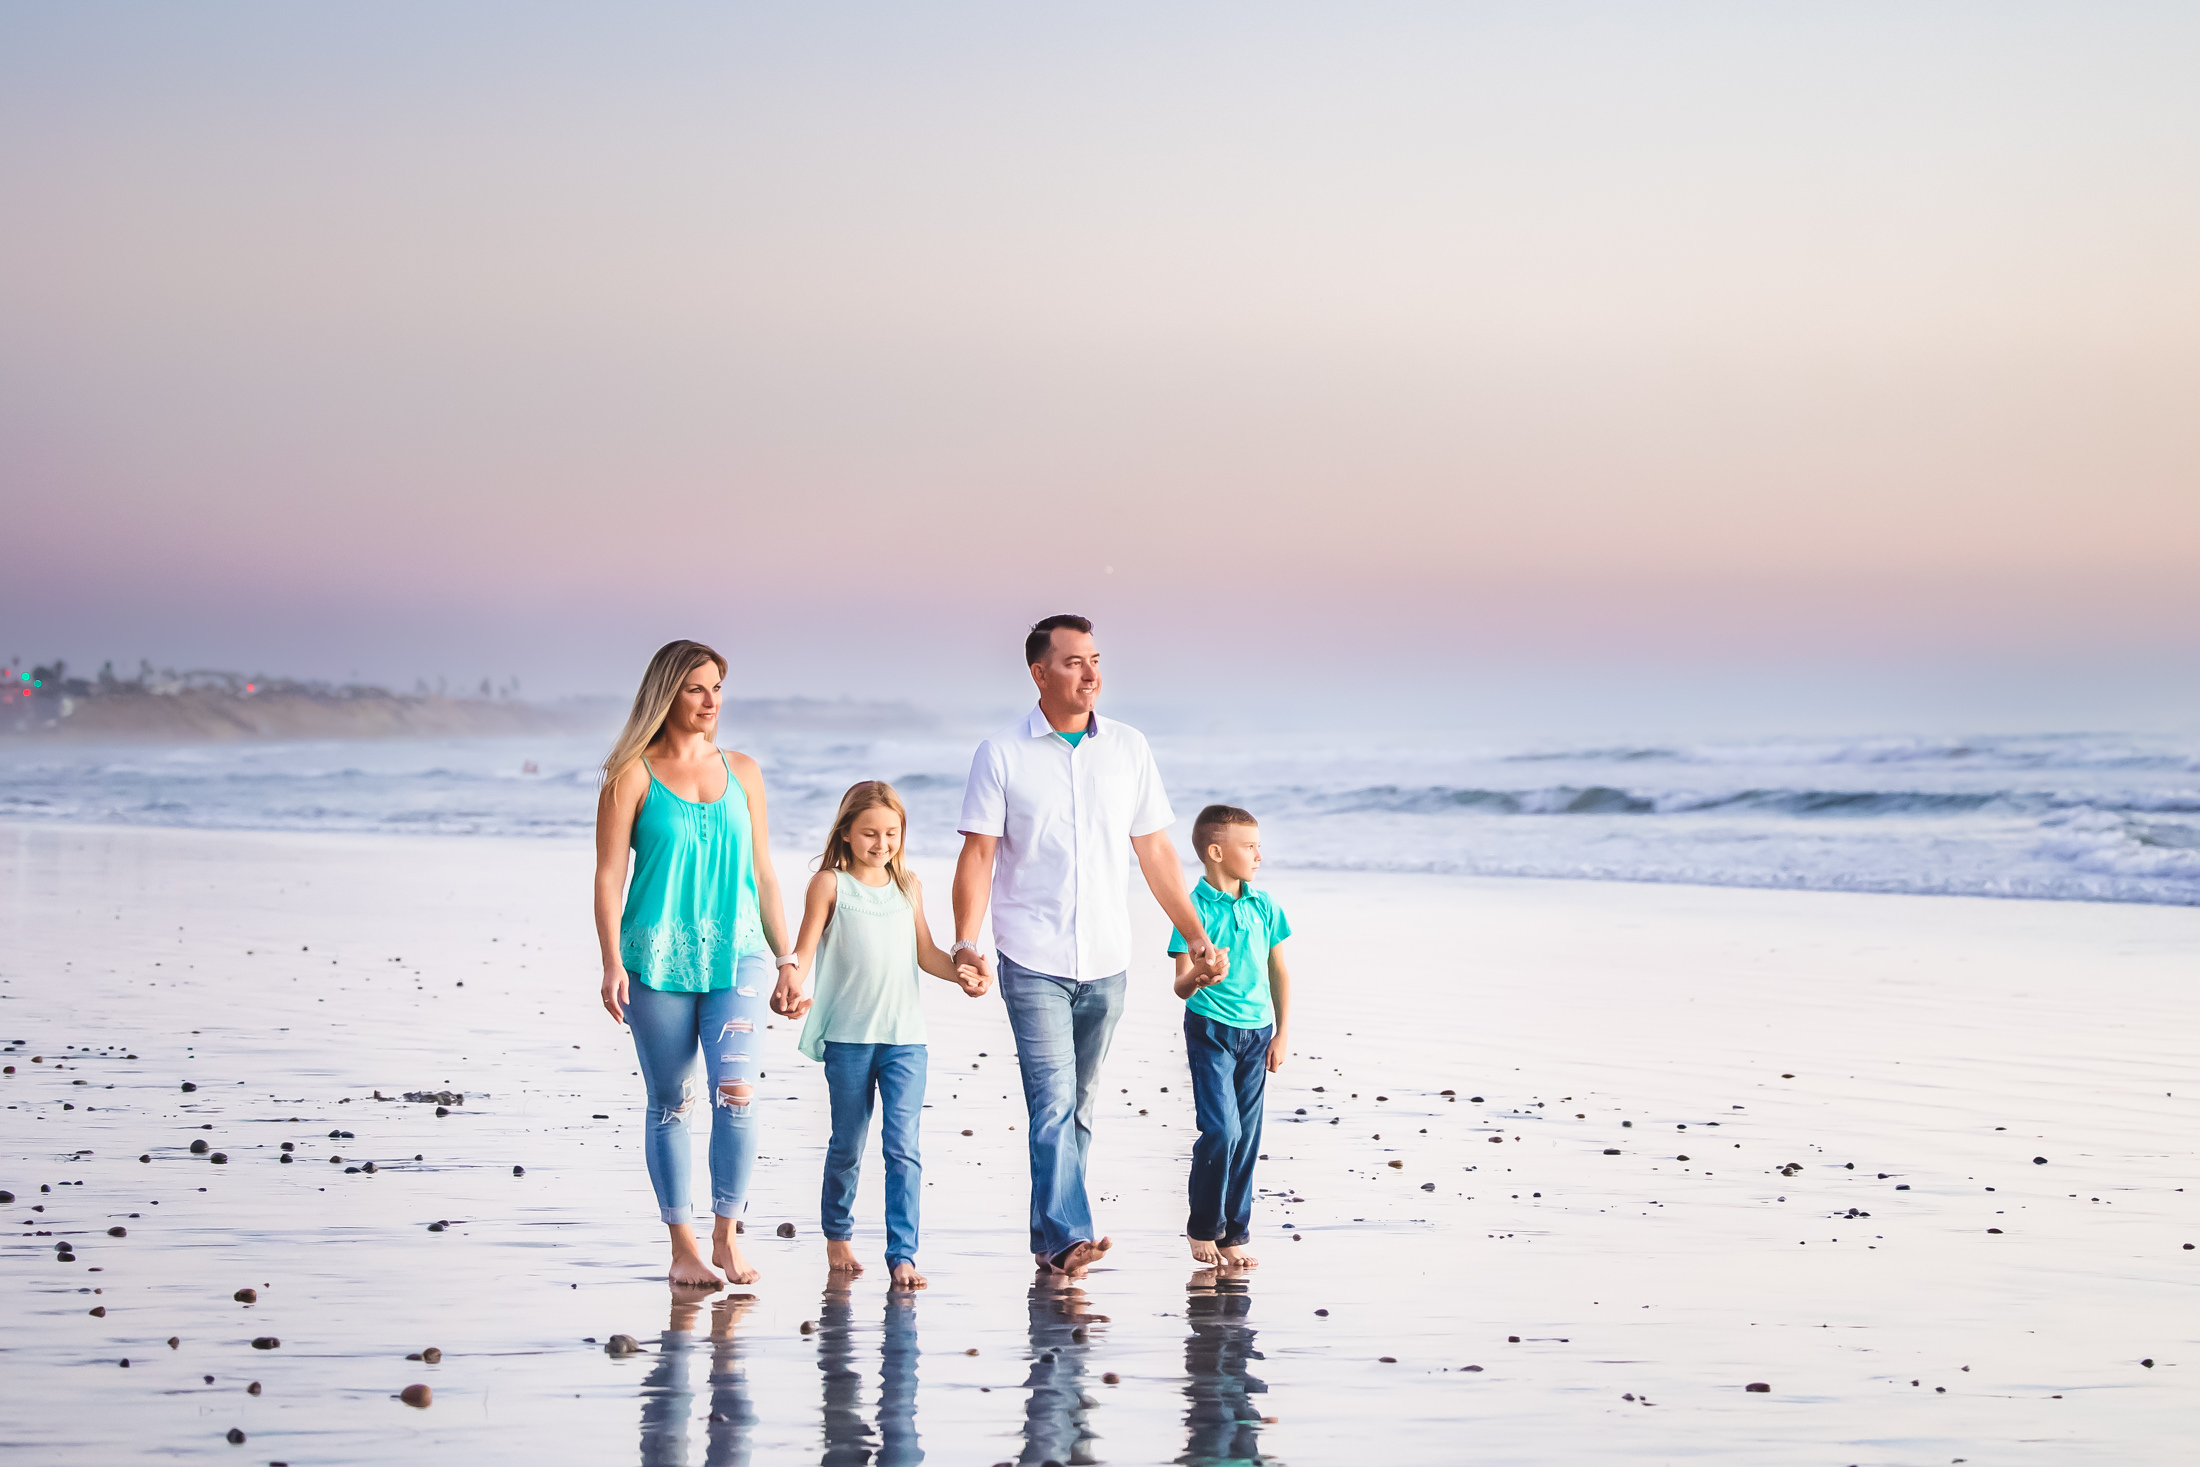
column 1233, row 1030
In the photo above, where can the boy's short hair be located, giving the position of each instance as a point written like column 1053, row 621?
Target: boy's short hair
column 1041, row 636
column 1209, row 826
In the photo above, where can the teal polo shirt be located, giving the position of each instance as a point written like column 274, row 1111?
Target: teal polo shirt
column 1245, row 926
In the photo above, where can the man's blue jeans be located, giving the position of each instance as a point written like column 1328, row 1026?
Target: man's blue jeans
column 1229, row 1084
column 1062, row 1031
column 895, row 1072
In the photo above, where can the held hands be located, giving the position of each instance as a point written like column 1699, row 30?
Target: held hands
column 788, row 1000
column 975, row 980
column 1210, row 964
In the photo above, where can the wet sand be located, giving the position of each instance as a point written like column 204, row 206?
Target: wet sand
column 1830, row 1235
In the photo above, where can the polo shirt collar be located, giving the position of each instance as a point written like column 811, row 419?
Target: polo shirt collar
column 1037, row 726
column 1216, row 893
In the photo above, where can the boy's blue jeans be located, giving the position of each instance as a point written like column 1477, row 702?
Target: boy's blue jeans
column 1062, row 1031
column 668, row 1027
column 1229, row 1083
column 894, row 1073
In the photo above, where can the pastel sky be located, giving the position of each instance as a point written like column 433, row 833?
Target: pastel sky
column 415, row 339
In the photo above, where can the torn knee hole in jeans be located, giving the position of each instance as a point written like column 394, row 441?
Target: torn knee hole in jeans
column 735, row 1094
column 673, row 1116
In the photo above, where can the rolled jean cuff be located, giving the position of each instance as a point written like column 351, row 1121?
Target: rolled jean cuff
column 720, row 1207
column 672, row 1216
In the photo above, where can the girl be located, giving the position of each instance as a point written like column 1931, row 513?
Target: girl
column 686, row 962
column 863, row 923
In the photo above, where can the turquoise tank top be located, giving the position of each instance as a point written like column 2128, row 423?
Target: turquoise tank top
column 866, row 971
column 691, row 910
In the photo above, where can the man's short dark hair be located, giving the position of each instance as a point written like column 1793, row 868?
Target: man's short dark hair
column 1042, row 635
column 1207, row 829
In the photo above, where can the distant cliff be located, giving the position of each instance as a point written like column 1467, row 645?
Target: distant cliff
column 168, row 707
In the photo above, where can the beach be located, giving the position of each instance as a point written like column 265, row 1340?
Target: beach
column 1558, row 1171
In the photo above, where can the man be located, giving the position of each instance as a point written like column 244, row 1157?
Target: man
column 1055, row 803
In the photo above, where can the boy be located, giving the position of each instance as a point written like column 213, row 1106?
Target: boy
column 1234, row 1027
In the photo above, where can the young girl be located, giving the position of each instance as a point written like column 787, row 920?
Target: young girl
column 863, row 923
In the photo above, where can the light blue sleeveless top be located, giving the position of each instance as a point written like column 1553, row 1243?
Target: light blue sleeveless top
column 866, row 971
column 691, row 910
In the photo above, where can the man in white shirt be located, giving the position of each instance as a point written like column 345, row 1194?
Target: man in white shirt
column 1056, row 804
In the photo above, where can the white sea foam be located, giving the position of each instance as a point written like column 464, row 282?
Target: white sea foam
column 2092, row 816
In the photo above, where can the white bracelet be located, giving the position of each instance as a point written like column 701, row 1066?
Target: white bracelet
column 966, row 942
column 791, row 960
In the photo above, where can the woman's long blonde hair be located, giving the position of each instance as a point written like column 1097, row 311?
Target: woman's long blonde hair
column 869, row 794
column 653, row 701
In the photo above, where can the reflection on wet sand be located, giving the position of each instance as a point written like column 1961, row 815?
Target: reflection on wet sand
column 1221, row 1426
column 668, row 1397
column 849, row 1438
column 1057, row 1427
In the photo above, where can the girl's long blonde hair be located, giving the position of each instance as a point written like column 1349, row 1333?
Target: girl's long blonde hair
column 869, row 794
column 653, row 701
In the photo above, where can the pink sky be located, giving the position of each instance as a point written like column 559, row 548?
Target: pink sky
column 519, row 342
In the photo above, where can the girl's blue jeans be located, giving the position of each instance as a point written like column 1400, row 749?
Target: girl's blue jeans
column 668, row 1029
column 854, row 1075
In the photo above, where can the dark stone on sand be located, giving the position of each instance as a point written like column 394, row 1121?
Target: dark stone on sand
column 99, row 1311
column 246, row 1296
column 266, row 1342
column 219, row 1158
column 1680, row 1158
column 1298, row 1112
column 200, row 1148
column 740, row 1226
column 2188, row 1247
column 786, row 1230
column 432, row 1355
column 6, row 1197
column 969, row 1133
column 174, row 1341
column 519, row 1171
column 1386, row 1359
column 252, row 1389
column 124, row 1363
column 1321, row 1314
column 1512, row 1339
column 808, row 1326
column 1109, row 1377
column 622, row 1345
column 1078, row 1334
column 118, row 1232
column 148, row 1156
column 1757, row 1385
column 1611, row 1151
column 1428, row 1186
column 2039, row 1161
column 1902, row 1186
column 336, row 1161
column 351, row 1171
column 236, row 1437
column 290, row 1146
column 286, row 1157
column 970, row 1352
column 2149, row 1364
column 188, row 1087
column 1470, row 1367
column 1398, row 1166
column 436, row 1227
column 369, row 1167
column 417, row 1396
column 1474, row 1099
column 440, row 1111
column 1993, row 1230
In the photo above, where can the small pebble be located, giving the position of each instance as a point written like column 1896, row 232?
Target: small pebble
column 1757, row 1385
column 236, row 1437
column 786, row 1230
column 970, row 1352
column 2149, row 1364
column 2039, row 1161
column 1398, row 1165
column 267, row 1342
column 417, row 1396
column 970, row 1133
column 809, row 1326
column 1470, row 1367
column 1387, row 1359
column 252, row 1389
column 436, row 1227
column 1110, row 1378
column 200, row 1148
column 246, row 1296
column 1611, row 1151
column 189, row 1087
column 1428, row 1186
column 125, row 1364
column 285, row 1158
column 118, row 1232
column 622, row 1345
column 519, row 1171
column 432, row 1355
column 1321, row 1313
column 99, row 1311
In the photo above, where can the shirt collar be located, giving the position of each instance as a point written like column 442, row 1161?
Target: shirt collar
column 1037, row 726
column 1215, row 893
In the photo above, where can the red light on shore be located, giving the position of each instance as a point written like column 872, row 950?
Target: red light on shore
column 252, row 687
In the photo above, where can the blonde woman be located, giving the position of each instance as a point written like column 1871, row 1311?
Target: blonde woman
column 863, row 924
column 687, row 958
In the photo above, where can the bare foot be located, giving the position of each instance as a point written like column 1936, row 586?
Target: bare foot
column 907, row 1277
column 1205, row 1251
column 688, row 1270
column 1238, row 1258
column 726, row 1253
column 841, row 1257
column 1082, row 1256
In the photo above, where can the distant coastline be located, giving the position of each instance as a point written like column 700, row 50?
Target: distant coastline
column 200, row 706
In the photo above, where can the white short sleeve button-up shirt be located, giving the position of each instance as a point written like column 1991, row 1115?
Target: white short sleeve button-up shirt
column 1065, row 817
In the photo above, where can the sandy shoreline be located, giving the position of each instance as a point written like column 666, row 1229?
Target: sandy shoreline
column 292, row 976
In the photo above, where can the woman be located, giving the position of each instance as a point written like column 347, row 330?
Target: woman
column 688, row 960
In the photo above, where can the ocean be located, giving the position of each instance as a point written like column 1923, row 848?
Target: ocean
column 2080, row 816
